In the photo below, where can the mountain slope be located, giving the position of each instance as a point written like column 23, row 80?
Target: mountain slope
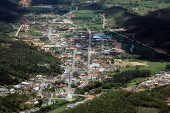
column 152, row 29
column 127, row 102
column 19, row 61
column 117, row 15
column 9, row 11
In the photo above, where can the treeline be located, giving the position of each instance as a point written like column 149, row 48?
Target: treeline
column 52, row 107
column 51, row 2
column 126, row 76
column 116, row 81
column 127, row 102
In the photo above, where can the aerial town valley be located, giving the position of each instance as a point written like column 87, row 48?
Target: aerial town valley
column 90, row 58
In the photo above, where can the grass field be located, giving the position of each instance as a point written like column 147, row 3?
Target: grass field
column 141, row 7
column 136, row 81
column 89, row 18
column 154, row 67
column 61, row 107
column 58, row 110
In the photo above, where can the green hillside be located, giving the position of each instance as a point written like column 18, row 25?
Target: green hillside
column 127, row 102
column 20, row 61
column 117, row 15
column 152, row 29
column 9, row 11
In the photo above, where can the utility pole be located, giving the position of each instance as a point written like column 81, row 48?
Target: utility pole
column 67, row 73
column 102, row 45
column 19, row 29
column 40, row 90
column 34, row 20
column 74, row 60
column 89, row 51
column 50, row 99
column 69, row 93
column 103, row 20
column 50, row 33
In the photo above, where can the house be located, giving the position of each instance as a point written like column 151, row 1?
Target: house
column 17, row 86
column 94, row 65
column 168, row 100
column 3, row 91
column 12, row 91
column 66, row 21
column 117, row 50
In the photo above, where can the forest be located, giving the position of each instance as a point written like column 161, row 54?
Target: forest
column 127, row 102
column 19, row 61
column 14, row 103
column 115, row 81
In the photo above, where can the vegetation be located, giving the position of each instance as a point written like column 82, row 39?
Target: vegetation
column 140, row 7
column 13, row 103
column 167, row 67
column 20, row 61
column 9, row 11
column 116, row 16
column 116, row 81
column 137, row 102
column 90, row 18
column 148, row 16
column 5, row 28
column 126, row 76
column 39, row 10
column 152, row 30
column 59, row 103
column 153, row 66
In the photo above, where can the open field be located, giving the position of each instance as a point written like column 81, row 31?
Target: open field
column 154, row 67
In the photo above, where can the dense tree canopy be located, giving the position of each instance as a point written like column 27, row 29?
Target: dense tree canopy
column 127, row 102
column 18, row 61
column 13, row 103
column 9, row 11
column 152, row 29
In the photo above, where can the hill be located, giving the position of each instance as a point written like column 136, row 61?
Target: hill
column 152, row 29
column 51, row 2
column 9, row 11
column 117, row 15
column 127, row 102
column 19, row 61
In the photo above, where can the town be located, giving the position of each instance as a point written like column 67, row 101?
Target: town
column 83, row 52
column 88, row 56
